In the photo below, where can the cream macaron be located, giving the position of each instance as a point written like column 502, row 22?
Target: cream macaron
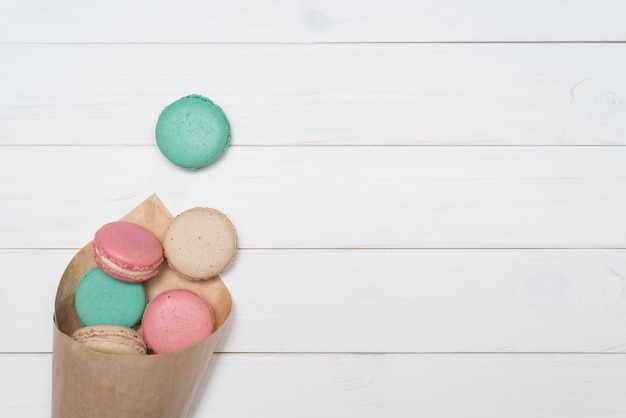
column 111, row 339
column 200, row 243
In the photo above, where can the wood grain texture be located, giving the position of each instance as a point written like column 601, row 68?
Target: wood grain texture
column 330, row 197
column 474, row 386
column 312, row 21
column 429, row 194
column 383, row 301
column 353, row 94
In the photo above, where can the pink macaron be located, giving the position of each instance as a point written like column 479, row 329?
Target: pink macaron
column 176, row 319
column 127, row 251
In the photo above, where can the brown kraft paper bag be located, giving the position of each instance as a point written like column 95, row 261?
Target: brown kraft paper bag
column 91, row 384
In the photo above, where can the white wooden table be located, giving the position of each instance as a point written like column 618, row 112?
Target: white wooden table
column 430, row 195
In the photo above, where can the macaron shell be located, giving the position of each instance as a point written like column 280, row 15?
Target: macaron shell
column 192, row 132
column 111, row 339
column 200, row 243
column 177, row 319
column 127, row 251
column 102, row 299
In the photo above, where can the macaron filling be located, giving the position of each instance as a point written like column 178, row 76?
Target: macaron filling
column 138, row 272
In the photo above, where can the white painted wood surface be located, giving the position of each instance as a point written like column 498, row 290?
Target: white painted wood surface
column 384, row 301
column 430, row 195
column 321, row 94
column 313, row 21
column 398, row 385
column 333, row 197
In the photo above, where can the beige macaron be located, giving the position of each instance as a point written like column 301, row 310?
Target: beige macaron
column 200, row 243
column 111, row 339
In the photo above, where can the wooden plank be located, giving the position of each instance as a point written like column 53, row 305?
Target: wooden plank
column 25, row 385
column 382, row 94
column 330, row 197
column 312, row 21
column 373, row 385
column 378, row 300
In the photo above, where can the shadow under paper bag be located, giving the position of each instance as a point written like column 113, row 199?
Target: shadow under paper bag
column 87, row 383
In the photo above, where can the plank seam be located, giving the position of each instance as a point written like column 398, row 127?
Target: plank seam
column 470, row 42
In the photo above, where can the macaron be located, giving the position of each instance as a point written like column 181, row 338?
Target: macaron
column 127, row 251
column 200, row 243
column 176, row 319
column 102, row 299
column 111, row 339
column 192, row 132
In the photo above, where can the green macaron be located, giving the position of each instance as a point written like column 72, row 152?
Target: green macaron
column 192, row 132
column 101, row 299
